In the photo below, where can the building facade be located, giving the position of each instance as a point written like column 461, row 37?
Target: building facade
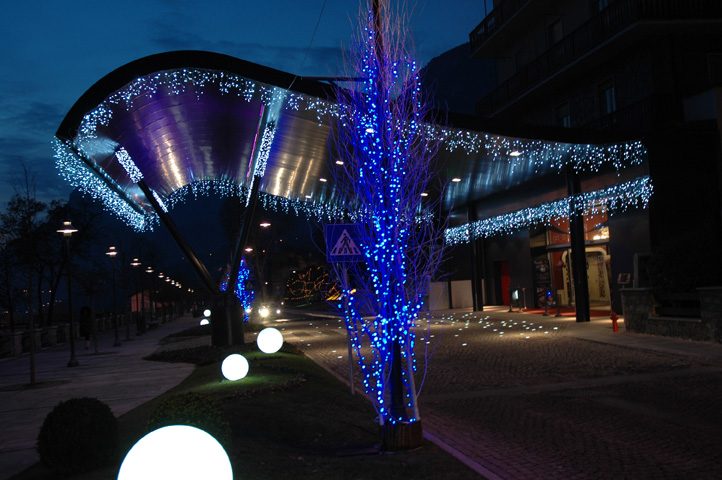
column 646, row 69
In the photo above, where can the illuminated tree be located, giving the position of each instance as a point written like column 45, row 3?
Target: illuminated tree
column 244, row 290
column 387, row 165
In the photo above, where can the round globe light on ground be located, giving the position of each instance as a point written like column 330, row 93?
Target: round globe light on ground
column 205, row 322
column 269, row 340
column 180, row 452
column 206, row 313
column 234, row 367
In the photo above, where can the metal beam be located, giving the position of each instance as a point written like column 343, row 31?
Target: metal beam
column 100, row 173
column 244, row 231
column 200, row 268
column 478, row 265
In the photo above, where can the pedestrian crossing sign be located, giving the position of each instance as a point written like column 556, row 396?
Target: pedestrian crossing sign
column 343, row 242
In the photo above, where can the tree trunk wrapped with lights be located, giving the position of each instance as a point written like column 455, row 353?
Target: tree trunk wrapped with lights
column 386, row 167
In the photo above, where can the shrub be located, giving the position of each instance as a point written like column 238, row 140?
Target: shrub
column 78, row 435
column 195, row 410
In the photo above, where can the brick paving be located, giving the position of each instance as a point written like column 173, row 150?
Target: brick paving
column 118, row 376
column 521, row 396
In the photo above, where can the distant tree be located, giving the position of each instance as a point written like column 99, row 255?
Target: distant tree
column 20, row 223
column 8, row 279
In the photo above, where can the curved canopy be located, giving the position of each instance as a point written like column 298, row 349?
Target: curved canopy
column 191, row 123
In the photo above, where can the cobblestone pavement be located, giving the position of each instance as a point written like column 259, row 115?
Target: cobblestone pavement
column 529, row 397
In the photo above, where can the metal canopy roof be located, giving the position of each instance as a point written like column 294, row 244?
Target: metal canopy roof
column 189, row 122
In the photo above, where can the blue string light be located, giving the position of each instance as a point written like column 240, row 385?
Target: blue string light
column 387, row 159
column 74, row 171
column 540, row 156
column 617, row 198
column 244, row 292
column 129, row 165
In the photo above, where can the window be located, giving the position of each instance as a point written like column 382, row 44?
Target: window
column 555, row 32
column 602, row 4
column 563, row 116
column 607, row 98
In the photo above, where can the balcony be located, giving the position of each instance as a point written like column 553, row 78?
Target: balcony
column 621, row 16
column 496, row 19
column 641, row 117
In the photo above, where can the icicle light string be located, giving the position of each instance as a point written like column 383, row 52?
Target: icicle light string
column 542, row 154
column 618, row 198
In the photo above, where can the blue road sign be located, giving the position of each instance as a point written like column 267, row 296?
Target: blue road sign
column 343, row 242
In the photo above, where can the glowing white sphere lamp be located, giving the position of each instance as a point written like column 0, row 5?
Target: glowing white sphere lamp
column 234, row 367
column 269, row 340
column 205, row 322
column 180, row 452
column 206, row 313
column 264, row 312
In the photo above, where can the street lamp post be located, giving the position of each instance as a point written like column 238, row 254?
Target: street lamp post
column 161, row 275
column 135, row 264
column 151, row 296
column 67, row 231
column 112, row 253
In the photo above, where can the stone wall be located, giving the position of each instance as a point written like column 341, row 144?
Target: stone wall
column 636, row 308
column 639, row 315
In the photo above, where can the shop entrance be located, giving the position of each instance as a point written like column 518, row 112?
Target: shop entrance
column 597, row 276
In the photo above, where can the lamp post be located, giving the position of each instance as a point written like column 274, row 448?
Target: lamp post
column 135, row 264
column 150, row 271
column 112, row 253
column 158, row 291
column 67, row 231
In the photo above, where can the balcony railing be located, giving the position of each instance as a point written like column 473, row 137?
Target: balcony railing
column 640, row 117
column 497, row 17
column 618, row 16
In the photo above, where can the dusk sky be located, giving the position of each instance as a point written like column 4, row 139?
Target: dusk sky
column 52, row 51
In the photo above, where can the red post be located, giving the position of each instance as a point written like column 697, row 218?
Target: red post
column 614, row 317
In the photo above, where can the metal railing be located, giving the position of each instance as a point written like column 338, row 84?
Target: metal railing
column 497, row 17
column 639, row 117
column 618, row 16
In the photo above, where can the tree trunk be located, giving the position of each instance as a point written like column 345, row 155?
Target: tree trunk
column 31, row 327
column 41, row 322
column 9, row 291
column 401, row 436
column 54, row 282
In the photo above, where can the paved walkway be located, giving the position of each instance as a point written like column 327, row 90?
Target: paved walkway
column 519, row 396
column 116, row 375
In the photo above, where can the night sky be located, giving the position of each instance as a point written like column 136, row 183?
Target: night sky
column 52, row 51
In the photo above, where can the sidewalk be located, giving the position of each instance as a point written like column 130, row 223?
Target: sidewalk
column 599, row 329
column 116, row 375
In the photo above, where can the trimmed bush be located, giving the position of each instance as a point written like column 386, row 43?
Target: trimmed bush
column 195, row 410
column 78, row 435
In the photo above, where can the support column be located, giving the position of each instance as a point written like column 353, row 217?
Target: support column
column 578, row 254
column 233, row 315
column 477, row 266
